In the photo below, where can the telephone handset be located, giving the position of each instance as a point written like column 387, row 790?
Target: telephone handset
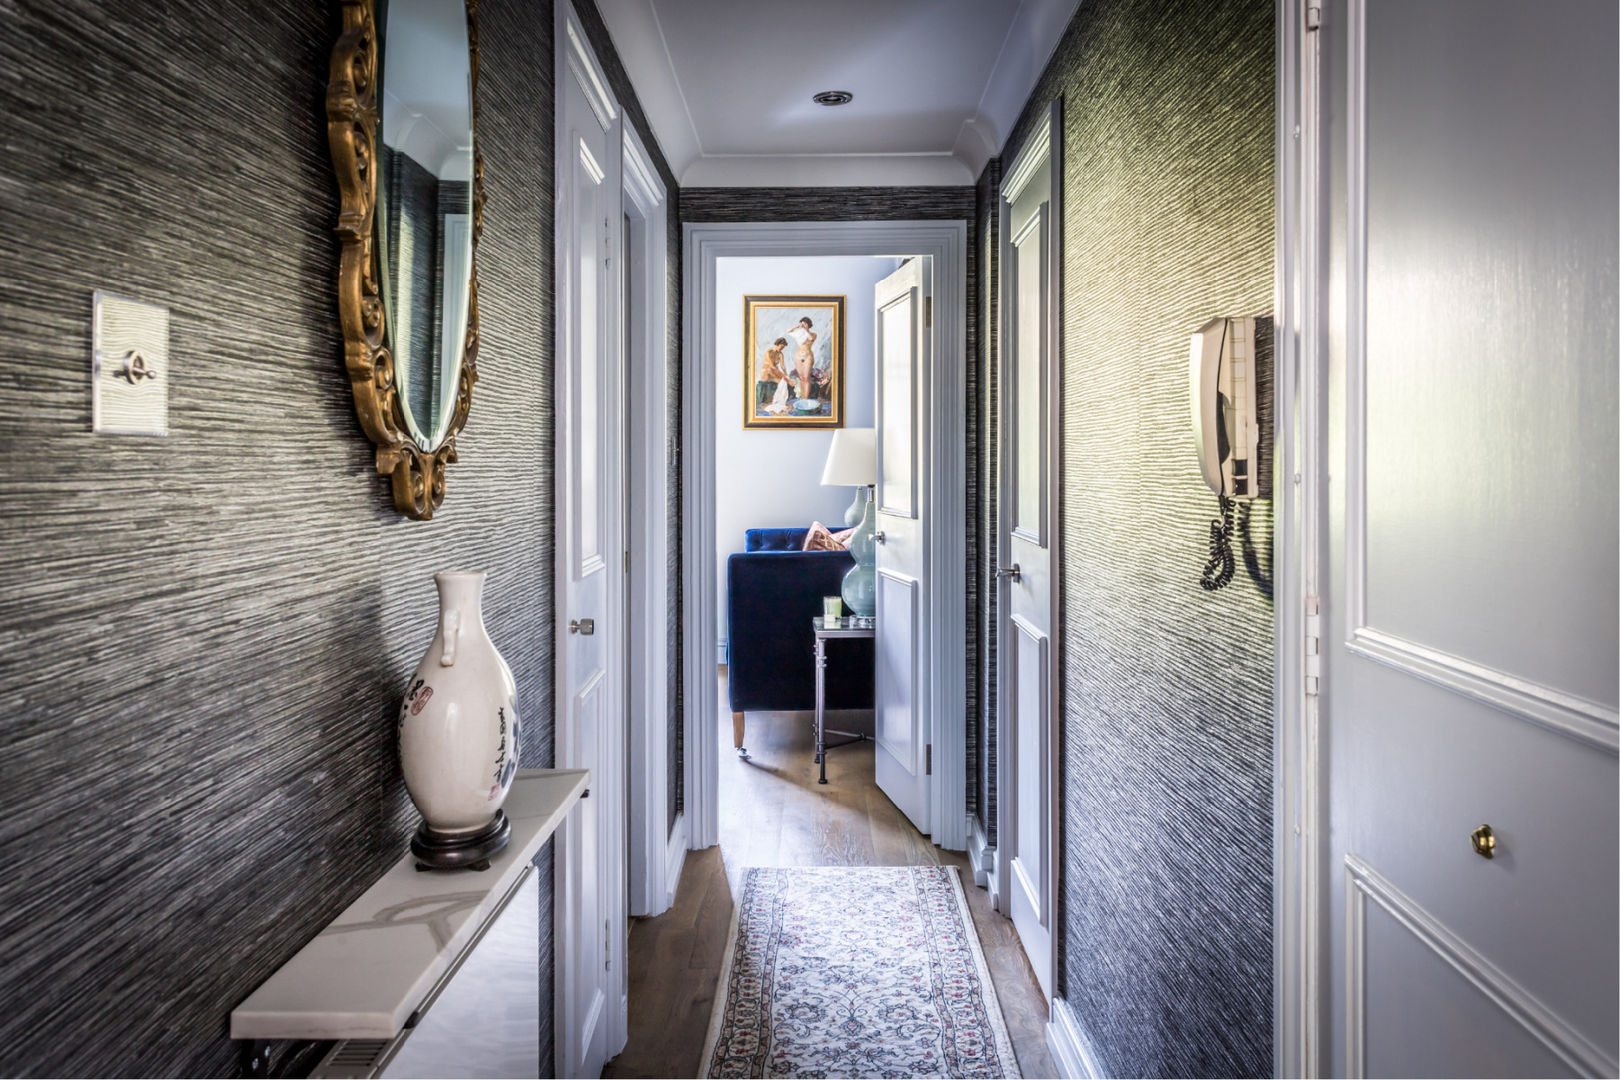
column 1226, row 430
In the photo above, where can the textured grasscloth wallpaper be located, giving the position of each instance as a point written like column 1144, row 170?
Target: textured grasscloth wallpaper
column 887, row 204
column 1167, row 711
column 985, row 472
column 203, row 638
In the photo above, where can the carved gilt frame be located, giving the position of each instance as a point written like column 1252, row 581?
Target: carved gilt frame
column 351, row 128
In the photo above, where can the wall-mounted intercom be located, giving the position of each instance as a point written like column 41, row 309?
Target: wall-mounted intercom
column 1226, row 429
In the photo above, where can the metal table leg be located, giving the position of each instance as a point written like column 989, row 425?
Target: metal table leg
column 821, row 707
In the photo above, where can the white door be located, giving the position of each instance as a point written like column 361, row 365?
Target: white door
column 1026, row 846
column 590, row 866
column 902, row 728
column 1469, row 675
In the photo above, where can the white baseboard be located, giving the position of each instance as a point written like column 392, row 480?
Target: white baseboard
column 982, row 857
column 1072, row 1052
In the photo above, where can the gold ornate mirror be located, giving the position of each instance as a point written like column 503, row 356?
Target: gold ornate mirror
column 401, row 110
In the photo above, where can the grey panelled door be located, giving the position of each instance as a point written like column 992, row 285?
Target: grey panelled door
column 1472, row 538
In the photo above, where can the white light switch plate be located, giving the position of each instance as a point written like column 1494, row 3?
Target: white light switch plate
column 129, row 367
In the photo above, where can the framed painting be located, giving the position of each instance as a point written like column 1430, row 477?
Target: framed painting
column 793, row 370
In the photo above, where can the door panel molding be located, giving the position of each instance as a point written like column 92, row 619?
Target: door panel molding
column 1568, row 714
column 1037, row 887
column 886, row 490
column 1363, row 883
column 888, row 614
column 1038, row 230
column 1586, row 721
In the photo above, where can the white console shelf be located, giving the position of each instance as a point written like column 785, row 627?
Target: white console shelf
column 375, row 966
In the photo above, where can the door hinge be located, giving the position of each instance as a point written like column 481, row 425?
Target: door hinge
column 627, row 562
column 928, row 760
column 607, row 944
column 1313, row 16
column 928, row 311
column 1313, row 646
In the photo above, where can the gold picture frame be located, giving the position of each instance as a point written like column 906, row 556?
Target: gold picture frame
column 791, row 343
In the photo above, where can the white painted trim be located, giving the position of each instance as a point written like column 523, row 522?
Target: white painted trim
column 1298, row 960
column 582, row 62
column 1362, row 883
column 982, row 861
column 1568, row 714
column 1072, row 1051
column 1044, row 149
column 946, row 242
column 675, row 859
column 827, row 170
column 647, row 530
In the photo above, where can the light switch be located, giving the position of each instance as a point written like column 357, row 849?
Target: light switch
column 129, row 366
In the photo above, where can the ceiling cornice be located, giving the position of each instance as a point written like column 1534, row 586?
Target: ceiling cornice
column 639, row 39
column 1033, row 35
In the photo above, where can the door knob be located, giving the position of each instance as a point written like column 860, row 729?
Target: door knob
column 879, row 538
column 583, row 627
column 1484, row 841
column 1008, row 572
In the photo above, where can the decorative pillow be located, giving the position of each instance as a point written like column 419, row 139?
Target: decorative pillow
column 820, row 539
column 841, row 537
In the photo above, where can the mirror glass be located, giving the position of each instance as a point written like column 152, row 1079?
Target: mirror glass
column 424, row 203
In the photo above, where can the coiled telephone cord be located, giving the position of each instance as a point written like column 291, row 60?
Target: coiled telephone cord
column 1218, row 571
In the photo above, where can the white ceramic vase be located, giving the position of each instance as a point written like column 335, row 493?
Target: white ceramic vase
column 458, row 725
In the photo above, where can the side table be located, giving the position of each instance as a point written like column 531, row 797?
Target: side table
column 849, row 626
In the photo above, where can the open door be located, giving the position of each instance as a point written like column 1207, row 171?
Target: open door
column 904, row 754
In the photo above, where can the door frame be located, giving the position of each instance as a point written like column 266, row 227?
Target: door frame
column 1298, row 790
column 657, row 844
column 946, row 530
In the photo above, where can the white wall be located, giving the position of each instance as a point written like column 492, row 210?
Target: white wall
column 769, row 477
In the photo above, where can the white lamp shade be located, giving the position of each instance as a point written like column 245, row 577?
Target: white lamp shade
column 852, row 460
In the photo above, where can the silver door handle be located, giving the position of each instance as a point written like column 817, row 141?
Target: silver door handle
column 1008, row 572
column 879, row 538
column 583, row 627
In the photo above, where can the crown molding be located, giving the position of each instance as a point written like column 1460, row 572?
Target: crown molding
column 828, row 170
column 639, row 40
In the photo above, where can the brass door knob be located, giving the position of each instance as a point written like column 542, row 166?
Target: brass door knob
column 1484, row 841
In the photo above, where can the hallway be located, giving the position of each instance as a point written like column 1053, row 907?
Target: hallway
column 772, row 813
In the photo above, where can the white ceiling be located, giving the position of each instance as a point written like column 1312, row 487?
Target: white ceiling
column 726, row 85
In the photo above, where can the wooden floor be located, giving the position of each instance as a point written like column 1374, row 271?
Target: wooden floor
column 773, row 813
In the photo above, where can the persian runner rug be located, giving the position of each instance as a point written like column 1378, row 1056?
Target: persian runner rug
column 855, row 971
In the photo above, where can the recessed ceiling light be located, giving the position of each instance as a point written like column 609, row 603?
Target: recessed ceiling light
column 833, row 97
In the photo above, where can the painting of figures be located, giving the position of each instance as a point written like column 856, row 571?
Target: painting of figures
column 793, row 373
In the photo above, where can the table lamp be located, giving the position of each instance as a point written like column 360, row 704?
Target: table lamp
column 852, row 462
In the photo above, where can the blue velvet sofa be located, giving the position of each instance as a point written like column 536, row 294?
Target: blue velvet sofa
column 773, row 590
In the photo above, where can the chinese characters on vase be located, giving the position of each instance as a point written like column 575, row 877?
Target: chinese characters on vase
column 793, row 373
column 458, row 734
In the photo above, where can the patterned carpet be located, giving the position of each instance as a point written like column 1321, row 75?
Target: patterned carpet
column 856, row 971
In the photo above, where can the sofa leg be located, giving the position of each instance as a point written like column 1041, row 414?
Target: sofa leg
column 737, row 725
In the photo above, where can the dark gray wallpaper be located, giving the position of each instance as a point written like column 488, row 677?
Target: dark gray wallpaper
column 205, row 636
column 1167, row 690
column 984, row 478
